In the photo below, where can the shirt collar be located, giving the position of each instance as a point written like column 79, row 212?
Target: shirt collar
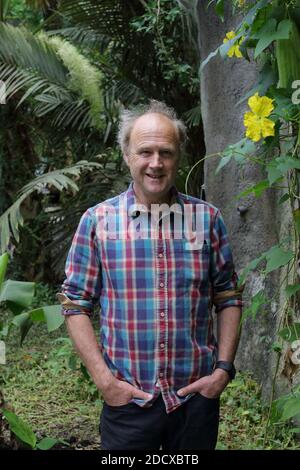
column 135, row 208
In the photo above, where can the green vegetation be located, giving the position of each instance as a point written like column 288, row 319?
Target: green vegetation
column 39, row 385
column 244, row 419
column 269, row 34
column 57, row 401
column 69, row 67
column 42, row 389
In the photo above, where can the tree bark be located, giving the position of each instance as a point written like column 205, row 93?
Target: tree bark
column 252, row 228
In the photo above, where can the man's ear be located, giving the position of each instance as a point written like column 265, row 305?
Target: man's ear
column 126, row 158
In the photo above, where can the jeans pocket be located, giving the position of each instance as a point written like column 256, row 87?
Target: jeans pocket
column 118, row 407
column 208, row 398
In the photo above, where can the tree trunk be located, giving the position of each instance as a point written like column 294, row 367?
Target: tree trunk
column 252, row 228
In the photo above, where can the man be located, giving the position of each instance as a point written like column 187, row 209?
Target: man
column 157, row 261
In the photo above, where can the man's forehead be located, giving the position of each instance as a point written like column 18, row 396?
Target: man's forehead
column 154, row 123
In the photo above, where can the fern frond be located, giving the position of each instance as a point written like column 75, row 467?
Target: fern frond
column 12, row 219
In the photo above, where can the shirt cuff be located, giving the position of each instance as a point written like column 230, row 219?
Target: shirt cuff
column 228, row 298
column 69, row 307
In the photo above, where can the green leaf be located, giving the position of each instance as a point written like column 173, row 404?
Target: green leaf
column 277, row 257
column 267, row 77
column 285, row 163
column 47, row 443
column 3, row 266
column 18, row 292
column 276, row 409
column 291, row 408
column 239, row 151
column 50, row 314
column 4, row 330
column 73, row 362
column 269, row 33
column 277, row 347
column 54, row 317
column 284, row 198
column 284, row 106
column 21, row 429
column 257, row 189
column 24, row 322
column 292, row 289
column 251, row 15
column 274, row 172
column 290, row 333
column 287, row 145
column 257, row 302
column 57, row 178
column 295, row 430
column 220, row 9
column 250, row 267
column 208, row 59
column 225, row 159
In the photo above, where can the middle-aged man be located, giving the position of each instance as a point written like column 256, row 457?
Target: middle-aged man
column 157, row 261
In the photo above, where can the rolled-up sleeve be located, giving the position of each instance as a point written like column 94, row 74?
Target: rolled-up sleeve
column 81, row 289
column 224, row 279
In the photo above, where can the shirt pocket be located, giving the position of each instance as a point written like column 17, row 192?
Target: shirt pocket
column 192, row 263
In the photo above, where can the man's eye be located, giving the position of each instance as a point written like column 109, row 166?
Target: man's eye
column 145, row 153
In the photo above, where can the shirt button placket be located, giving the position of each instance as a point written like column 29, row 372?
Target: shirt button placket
column 162, row 293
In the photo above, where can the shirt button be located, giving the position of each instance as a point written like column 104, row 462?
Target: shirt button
column 161, row 284
column 160, row 255
column 162, row 345
column 162, row 314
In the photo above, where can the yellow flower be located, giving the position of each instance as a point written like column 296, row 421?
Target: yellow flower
column 235, row 49
column 256, row 121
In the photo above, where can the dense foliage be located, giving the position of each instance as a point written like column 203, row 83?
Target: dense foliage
column 69, row 67
column 269, row 34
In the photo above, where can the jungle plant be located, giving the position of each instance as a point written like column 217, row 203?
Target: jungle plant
column 270, row 34
column 24, row 433
column 17, row 297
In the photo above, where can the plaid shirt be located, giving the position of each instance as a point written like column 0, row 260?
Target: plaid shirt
column 156, row 293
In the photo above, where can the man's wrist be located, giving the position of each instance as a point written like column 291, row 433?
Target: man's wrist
column 227, row 367
column 107, row 379
column 221, row 375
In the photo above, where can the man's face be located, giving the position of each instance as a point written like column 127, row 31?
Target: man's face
column 153, row 155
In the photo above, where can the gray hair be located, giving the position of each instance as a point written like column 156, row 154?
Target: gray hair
column 128, row 118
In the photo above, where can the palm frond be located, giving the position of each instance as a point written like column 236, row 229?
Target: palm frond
column 12, row 218
column 192, row 117
column 4, row 4
column 83, row 36
column 63, row 222
column 108, row 17
column 20, row 48
column 33, row 66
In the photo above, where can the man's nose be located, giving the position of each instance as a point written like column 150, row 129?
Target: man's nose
column 156, row 160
